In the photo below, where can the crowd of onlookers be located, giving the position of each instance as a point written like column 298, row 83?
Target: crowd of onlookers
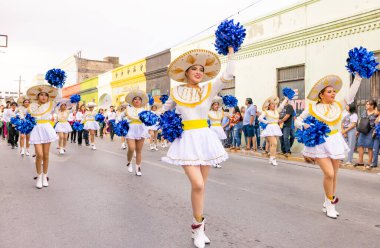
column 242, row 128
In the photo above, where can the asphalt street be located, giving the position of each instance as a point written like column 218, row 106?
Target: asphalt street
column 92, row 201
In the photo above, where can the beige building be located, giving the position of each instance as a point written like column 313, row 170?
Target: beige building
column 298, row 45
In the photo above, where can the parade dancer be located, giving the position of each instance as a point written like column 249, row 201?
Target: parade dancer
column 271, row 117
column 24, row 138
column 71, row 120
column 111, row 118
column 137, row 130
column 90, row 124
column 119, row 117
column 153, row 131
column 43, row 133
column 199, row 147
column 215, row 115
column 83, row 134
column 63, row 127
column 329, row 111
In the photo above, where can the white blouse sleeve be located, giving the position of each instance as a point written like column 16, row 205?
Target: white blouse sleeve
column 299, row 122
column 282, row 105
column 262, row 116
column 227, row 76
column 169, row 104
column 350, row 97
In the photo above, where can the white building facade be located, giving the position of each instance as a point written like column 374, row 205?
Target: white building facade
column 105, row 90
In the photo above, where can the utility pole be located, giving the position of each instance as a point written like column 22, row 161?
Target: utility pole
column 19, row 85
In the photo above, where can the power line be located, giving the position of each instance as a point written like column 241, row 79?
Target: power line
column 236, row 13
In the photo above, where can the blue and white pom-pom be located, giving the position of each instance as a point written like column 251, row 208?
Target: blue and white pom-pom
column 164, row 98
column 171, row 125
column 121, row 128
column 56, row 77
column 227, row 35
column 288, row 92
column 151, row 99
column 263, row 125
column 77, row 126
column 377, row 130
column 148, row 118
column 315, row 135
column 75, row 98
column 99, row 117
column 361, row 61
column 230, row 101
column 27, row 124
column 16, row 121
column 111, row 122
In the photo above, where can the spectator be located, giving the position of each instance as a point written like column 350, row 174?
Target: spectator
column 226, row 128
column 365, row 128
column 257, row 129
column 236, row 126
column 349, row 130
column 248, row 122
column 111, row 118
column 286, row 121
column 101, row 124
column 376, row 143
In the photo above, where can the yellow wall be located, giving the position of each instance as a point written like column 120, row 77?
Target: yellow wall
column 90, row 97
column 127, row 78
column 89, row 84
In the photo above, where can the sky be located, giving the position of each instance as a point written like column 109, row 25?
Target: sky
column 43, row 33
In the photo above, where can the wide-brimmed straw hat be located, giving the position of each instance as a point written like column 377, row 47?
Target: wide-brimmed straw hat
column 209, row 60
column 90, row 104
column 121, row 106
column 67, row 102
column 21, row 99
column 329, row 80
column 137, row 93
column 217, row 99
column 269, row 100
column 33, row 92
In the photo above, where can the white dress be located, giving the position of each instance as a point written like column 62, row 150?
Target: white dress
column 271, row 118
column 198, row 145
column 137, row 130
column 335, row 146
column 43, row 132
column 215, row 118
column 89, row 121
column 156, row 126
column 63, row 125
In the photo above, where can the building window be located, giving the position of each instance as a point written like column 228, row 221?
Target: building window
column 369, row 89
column 156, row 92
column 122, row 74
column 228, row 88
column 294, row 78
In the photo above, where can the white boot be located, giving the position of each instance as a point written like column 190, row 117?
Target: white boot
column 22, row 151
column 27, row 152
column 274, row 162
column 151, row 147
column 330, row 209
column 45, row 182
column 130, row 167
column 198, row 234
column 93, row 147
column 218, row 166
column 61, row 151
column 155, row 147
column 324, row 207
column 138, row 170
column 123, row 146
column 39, row 181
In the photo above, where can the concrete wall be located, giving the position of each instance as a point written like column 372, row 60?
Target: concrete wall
column 156, row 72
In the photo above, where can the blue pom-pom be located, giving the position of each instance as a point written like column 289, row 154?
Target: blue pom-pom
column 288, row 92
column 121, row 128
column 263, row 125
column 377, row 130
column 148, row 118
column 151, row 99
column 15, row 121
column 111, row 122
column 77, row 126
column 315, row 135
column 229, row 34
column 164, row 98
column 361, row 61
column 230, row 101
column 171, row 125
column 27, row 124
column 99, row 118
column 75, row 98
column 56, row 77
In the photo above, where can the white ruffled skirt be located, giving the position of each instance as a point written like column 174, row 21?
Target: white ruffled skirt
column 154, row 127
column 196, row 147
column 218, row 130
column 271, row 130
column 42, row 134
column 137, row 132
column 63, row 127
column 91, row 125
column 335, row 147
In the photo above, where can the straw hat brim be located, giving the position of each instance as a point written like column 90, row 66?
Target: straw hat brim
column 209, row 60
column 33, row 92
column 329, row 80
column 137, row 93
column 217, row 99
column 90, row 104
column 269, row 100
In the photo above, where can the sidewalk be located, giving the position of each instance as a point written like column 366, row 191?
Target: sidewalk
column 298, row 157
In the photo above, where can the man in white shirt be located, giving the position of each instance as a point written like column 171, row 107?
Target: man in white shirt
column 12, row 132
column 111, row 116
